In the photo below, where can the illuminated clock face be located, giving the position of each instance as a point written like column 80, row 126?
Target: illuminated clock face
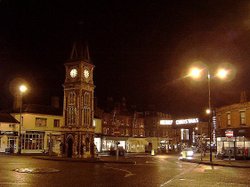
column 73, row 73
column 86, row 73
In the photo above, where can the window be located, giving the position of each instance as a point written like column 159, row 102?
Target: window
column 12, row 125
column 105, row 130
column 86, row 112
column 228, row 119
column 243, row 117
column 41, row 122
column 71, row 110
column 56, row 123
column 32, row 140
column 219, row 121
column 127, row 132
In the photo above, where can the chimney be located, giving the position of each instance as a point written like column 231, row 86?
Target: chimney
column 55, row 102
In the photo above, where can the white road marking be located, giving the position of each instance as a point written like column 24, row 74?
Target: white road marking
column 128, row 173
column 175, row 177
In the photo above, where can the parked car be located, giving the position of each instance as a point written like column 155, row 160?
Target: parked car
column 187, row 152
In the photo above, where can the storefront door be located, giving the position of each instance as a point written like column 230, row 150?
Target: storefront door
column 70, row 148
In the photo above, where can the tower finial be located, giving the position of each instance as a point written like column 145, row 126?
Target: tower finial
column 80, row 51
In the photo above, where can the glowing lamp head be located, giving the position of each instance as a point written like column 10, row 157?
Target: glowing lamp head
column 195, row 73
column 222, row 73
column 22, row 88
column 208, row 111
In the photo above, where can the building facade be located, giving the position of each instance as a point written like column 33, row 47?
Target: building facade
column 8, row 133
column 233, row 130
column 124, row 131
column 41, row 129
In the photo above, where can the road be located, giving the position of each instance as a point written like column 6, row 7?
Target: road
column 148, row 171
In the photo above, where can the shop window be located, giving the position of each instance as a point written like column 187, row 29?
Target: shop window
column 56, row 123
column 184, row 134
column 228, row 119
column 242, row 117
column 41, row 122
column 32, row 141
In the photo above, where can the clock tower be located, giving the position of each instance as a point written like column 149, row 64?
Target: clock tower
column 78, row 109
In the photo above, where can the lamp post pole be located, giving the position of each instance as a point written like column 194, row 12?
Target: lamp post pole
column 22, row 89
column 222, row 73
column 209, row 115
column 20, row 125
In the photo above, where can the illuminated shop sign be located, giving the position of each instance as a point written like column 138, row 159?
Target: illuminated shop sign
column 180, row 121
column 229, row 133
column 13, row 133
column 186, row 121
column 166, row 122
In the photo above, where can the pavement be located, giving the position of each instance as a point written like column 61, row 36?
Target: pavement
column 217, row 162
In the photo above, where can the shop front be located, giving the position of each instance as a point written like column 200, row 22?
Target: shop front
column 32, row 142
column 136, row 145
column 8, row 141
column 234, row 143
column 109, row 143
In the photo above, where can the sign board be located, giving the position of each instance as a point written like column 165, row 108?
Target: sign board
column 10, row 133
column 229, row 133
column 186, row 121
column 166, row 122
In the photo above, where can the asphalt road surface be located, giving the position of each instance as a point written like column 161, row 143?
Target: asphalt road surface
column 148, row 171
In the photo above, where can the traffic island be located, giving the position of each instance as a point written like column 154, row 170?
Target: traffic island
column 86, row 160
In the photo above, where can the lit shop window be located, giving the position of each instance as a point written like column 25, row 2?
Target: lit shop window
column 32, row 141
column 184, row 134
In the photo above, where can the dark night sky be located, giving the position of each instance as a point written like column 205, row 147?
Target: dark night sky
column 140, row 49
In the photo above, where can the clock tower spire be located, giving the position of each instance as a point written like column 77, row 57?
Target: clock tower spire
column 79, row 103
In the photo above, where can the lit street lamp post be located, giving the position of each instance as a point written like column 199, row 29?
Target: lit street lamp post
column 222, row 74
column 209, row 115
column 22, row 89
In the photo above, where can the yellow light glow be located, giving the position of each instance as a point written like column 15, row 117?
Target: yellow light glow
column 23, row 88
column 195, row 72
column 222, row 73
column 208, row 111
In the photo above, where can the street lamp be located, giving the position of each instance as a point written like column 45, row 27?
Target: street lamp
column 195, row 73
column 22, row 89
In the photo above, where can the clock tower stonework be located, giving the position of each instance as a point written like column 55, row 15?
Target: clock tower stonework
column 78, row 108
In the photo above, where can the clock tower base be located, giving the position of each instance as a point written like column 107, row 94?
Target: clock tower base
column 77, row 144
